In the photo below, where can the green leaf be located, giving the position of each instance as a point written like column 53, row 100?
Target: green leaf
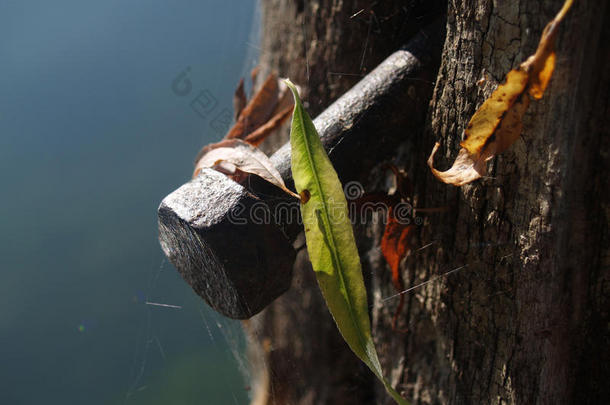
column 330, row 239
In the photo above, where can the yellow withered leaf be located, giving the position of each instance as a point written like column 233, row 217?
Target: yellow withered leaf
column 497, row 124
column 541, row 75
column 236, row 158
column 488, row 117
column 510, row 128
column 542, row 63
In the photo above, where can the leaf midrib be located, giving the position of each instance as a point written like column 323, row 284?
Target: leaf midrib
column 333, row 250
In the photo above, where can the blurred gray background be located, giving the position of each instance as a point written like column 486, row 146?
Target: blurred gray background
column 92, row 136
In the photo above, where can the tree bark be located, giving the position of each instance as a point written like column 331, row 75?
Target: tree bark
column 525, row 319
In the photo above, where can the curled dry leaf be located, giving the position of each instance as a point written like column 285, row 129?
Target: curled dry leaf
column 235, row 158
column 464, row 170
column 497, row 124
column 236, row 155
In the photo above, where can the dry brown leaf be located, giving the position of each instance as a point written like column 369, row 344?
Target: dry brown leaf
column 209, row 147
column 236, row 157
column 254, row 73
column 497, row 124
column 262, row 132
column 265, row 113
column 395, row 245
column 396, row 239
column 258, row 111
column 285, row 99
column 239, row 99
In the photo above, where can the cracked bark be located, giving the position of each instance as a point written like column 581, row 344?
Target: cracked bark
column 526, row 320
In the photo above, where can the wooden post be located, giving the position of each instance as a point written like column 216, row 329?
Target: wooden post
column 526, row 318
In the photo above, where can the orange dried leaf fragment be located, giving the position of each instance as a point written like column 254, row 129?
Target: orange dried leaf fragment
column 395, row 245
